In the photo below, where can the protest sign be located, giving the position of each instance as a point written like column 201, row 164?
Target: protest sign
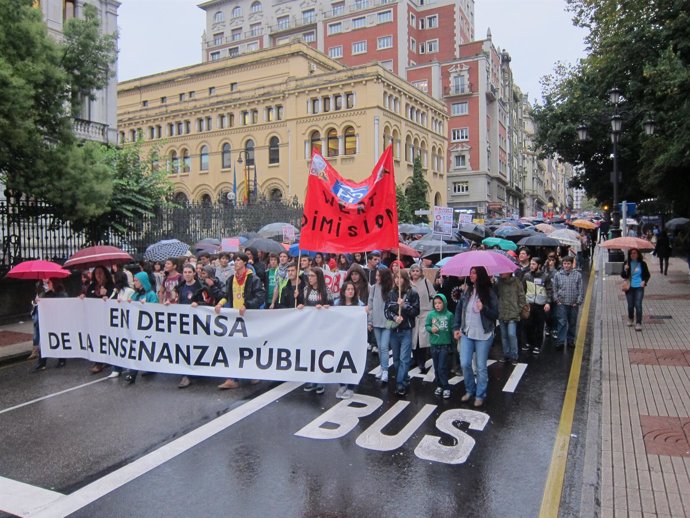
column 307, row 345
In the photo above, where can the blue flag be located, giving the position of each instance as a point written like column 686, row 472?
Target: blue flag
column 234, row 184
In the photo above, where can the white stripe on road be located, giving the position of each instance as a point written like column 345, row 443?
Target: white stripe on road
column 52, row 395
column 101, row 487
column 515, row 377
column 18, row 498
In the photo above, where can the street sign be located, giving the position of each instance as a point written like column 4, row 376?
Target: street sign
column 422, row 212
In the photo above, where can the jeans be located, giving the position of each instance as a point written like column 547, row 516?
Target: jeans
column 468, row 346
column 509, row 339
column 535, row 325
column 567, row 321
column 634, row 297
column 663, row 265
column 440, row 355
column 401, row 343
column 383, row 337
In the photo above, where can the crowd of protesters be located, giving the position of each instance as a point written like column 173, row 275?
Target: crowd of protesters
column 415, row 316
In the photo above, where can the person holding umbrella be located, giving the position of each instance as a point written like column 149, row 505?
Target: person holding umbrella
column 474, row 325
column 636, row 274
column 54, row 288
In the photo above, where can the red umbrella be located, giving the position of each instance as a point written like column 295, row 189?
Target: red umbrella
column 405, row 250
column 98, row 255
column 626, row 243
column 37, row 270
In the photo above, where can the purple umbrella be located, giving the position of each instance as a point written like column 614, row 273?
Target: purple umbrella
column 461, row 264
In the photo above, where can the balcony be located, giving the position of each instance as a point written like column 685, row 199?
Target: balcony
column 465, row 89
column 295, row 22
column 358, row 6
column 234, row 38
column 89, row 130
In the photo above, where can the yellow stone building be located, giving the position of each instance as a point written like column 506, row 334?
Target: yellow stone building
column 256, row 117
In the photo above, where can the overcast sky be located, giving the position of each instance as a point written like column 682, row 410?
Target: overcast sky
column 159, row 35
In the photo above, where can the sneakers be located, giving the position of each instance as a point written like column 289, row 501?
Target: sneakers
column 341, row 391
column 184, row 382
column 547, row 331
column 638, row 327
column 378, row 374
column 374, row 349
column 438, row 391
column 114, row 374
column 630, row 322
column 347, row 394
column 308, row 387
column 526, row 347
column 446, row 394
column 536, row 351
column 384, row 377
column 503, row 360
column 514, row 362
column 400, row 391
column 228, row 384
column 466, row 397
column 320, row 389
column 478, row 402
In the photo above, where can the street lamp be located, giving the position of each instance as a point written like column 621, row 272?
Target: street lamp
column 249, row 162
column 616, row 98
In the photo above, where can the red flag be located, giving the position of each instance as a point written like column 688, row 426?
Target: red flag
column 342, row 216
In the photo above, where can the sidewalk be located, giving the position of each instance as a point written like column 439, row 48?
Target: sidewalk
column 15, row 341
column 645, row 397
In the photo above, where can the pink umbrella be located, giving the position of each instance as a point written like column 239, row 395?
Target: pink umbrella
column 626, row 243
column 461, row 264
column 37, row 270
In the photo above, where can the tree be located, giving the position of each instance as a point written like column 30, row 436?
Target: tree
column 416, row 194
column 642, row 47
column 39, row 154
column 405, row 212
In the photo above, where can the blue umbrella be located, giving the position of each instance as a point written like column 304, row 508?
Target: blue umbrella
column 294, row 251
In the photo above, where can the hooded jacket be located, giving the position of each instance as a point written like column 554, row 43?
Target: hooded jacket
column 254, row 293
column 443, row 321
column 538, row 287
column 511, row 298
column 409, row 311
column 146, row 293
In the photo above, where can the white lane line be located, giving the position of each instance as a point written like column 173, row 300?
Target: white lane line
column 515, row 377
column 101, row 487
column 19, row 498
column 52, row 395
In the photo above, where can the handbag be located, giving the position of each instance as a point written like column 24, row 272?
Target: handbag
column 625, row 286
column 524, row 312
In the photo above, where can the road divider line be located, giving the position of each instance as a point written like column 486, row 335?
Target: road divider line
column 515, row 377
column 553, row 489
column 109, row 483
column 19, row 498
column 15, row 407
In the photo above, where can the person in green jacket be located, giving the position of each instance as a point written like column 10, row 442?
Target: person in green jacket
column 439, row 325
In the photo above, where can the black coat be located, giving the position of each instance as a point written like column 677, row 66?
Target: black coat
column 287, row 295
column 645, row 271
column 254, row 293
column 410, row 307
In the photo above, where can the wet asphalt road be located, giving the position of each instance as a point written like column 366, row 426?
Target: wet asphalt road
column 269, row 463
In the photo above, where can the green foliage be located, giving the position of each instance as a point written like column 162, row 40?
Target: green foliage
column 643, row 48
column 417, row 193
column 405, row 212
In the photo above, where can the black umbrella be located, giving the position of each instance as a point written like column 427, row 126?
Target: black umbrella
column 434, row 246
column 674, row 223
column 513, row 234
column 408, row 228
column 538, row 240
column 264, row 245
column 472, row 231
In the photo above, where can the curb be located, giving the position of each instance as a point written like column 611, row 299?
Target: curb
column 16, row 357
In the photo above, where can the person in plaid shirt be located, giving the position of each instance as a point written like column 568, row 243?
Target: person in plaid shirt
column 567, row 294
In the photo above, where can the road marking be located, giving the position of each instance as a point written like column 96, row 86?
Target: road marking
column 52, row 395
column 101, row 487
column 515, row 377
column 551, row 502
column 19, row 498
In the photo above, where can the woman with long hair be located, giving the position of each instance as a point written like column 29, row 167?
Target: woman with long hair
column 348, row 297
column 376, row 318
column 316, row 294
column 402, row 308
column 420, row 336
column 636, row 273
column 356, row 274
column 474, row 325
column 54, row 288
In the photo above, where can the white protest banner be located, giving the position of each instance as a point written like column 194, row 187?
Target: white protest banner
column 443, row 221
column 312, row 345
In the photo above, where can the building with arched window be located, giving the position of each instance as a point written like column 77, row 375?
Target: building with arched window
column 252, row 121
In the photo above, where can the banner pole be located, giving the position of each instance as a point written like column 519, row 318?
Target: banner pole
column 399, row 286
column 299, row 272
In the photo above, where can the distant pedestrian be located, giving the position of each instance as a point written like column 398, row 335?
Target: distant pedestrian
column 439, row 325
column 568, row 293
column 636, row 274
column 663, row 251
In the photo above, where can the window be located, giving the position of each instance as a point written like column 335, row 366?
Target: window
column 359, row 47
column 183, row 96
column 350, row 141
column 203, row 158
column 432, row 22
column 175, row 161
column 144, row 103
column 233, row 52
column 460, row 161
column 212, row 90
column 218, row 38
column 361, row 4
column 384, row 42
column 233, row 87
column 349, row 100
column 459, row 109
column 413, row 45
column 159, row 131
column 279, row 113
column 421, row 85
column 249, row 152
column 270, row 114
column 186, row 161
column 461, row 187
column 384, row 17
column 284, row 22
column 338, row 102
column 192, row 94
column 332, row 142
column 431, row 46
column 221, row 121
column 308, row 16
column 358, row 23
column 338, row 8
column 460, row 134
column 251, row 47
column 274, row 150
column 187, row 127
column 255, row 29
column 413, row 20
column 459, row 84
column 315, row 105
column 164, row 100
column 226, row 156
column 315, row 141
column 209, row 123
column 256, row 7
column 309, row 37
column 171, row 129
column 200, row 125
column 236, row 11
column 335, row 28
column 255, row 116
column 218, row 17
column 388, row 64
column 335, row 52
column 236, row 34
column 180, row 128
column 215, row 56
column 326, row 104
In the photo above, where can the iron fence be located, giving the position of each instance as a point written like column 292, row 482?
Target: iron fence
column 31, row 229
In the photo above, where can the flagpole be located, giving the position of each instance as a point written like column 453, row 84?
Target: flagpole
column 299, row 271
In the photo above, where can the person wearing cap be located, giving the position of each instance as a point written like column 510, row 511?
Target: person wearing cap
column 568, row 294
